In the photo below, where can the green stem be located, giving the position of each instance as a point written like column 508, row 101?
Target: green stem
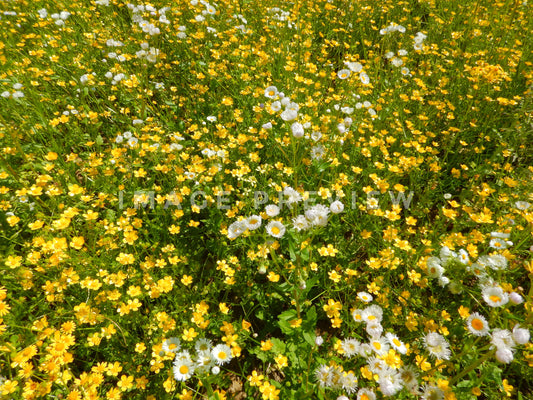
column 472, row 366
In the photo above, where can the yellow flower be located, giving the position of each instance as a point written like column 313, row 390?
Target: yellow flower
column 281, row 361
column 189, row 334
column 266, row 345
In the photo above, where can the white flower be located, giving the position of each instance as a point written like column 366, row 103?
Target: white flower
column 336, row 207
column 253, row 222
column 300, row 223
column 211, row 118
column 397, row 62
column 297, row 130
column 477, row 324
column 437, row 346
column 202, row 345
column 267, row 126
column 133, row 142
column 500, row 244
column 289, row 114
column 520, row 335
column 522, row 205
column 275, row 106
column 374, row 329
column 272, row 210
column 222, row 354
column 364, row 296
column 354, row 66
column 236, row 229
column 365, row 79
column 463, row 256
column 344, row 74
column 434, row 269
column 366, row 394
column 183, row 369
column 350, row 347
column 390, row 382
column 271, row 92
column 504, row 355
column 171, row 345
column 379, row 345
column 494, row 296
column 275, row 229
column 502, row 338
column 317, row 215
column 316, row 136
column 292, row 195
column 432, row 393
column 5, row 94
column 396, row 343
column 515, row 298
column 373, row 313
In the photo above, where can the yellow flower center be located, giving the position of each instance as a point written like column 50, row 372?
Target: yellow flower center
column 477, row 324
column 495, row 298
column 184, row 369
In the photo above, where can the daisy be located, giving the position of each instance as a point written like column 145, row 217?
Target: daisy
column 379, row 345
column 203, row 345
column 317, row 152
column 222, row 354
column 365, row 80
column 520, row 335
column 350, row 347
column 374, row 329
column 432, row 393
column 366, row 394
column 364, row 296
column 376, row 365
column 344, row 74
column 502, row 338
column 323, row 375
column 463, row 256
column 477, row 324
column 504, row 355
column 236, row 229
column 494, row 296
column 275, row 229
column 354, row 66
column 292, row 195
column 522, row 205
column 297, row 130
column 300, row 223
column 275, row 106
column 396, row 343
column 171, row 345
column 253, row 222
column 357, row 315
column 410, row 378
column 183, row 369
column 272, row 210
column 349, row 382
column 373, row 313
column 500, row 244
column 390, row 382
column 437, row 346
column 204, row 361
column 271, row 92
column 336, row 208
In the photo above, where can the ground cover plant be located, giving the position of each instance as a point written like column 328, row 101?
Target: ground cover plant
column 266, row 199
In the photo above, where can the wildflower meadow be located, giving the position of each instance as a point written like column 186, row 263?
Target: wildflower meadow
column 244, row 199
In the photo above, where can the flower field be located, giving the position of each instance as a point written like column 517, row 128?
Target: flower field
column 242, row 199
